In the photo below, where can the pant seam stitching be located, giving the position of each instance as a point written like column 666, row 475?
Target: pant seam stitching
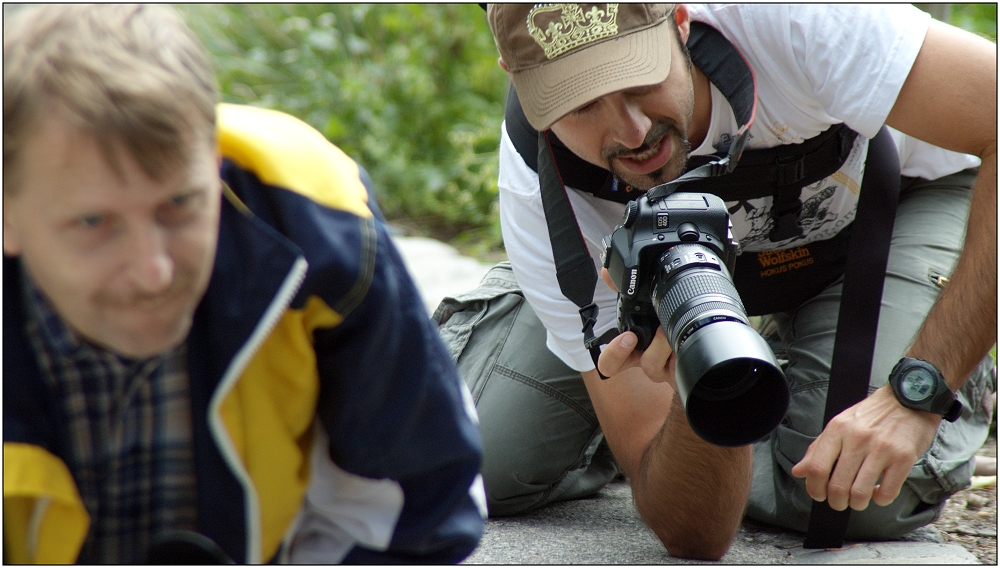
column 546, row 389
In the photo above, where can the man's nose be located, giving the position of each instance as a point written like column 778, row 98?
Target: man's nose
column 151, row 267
column 630, row 124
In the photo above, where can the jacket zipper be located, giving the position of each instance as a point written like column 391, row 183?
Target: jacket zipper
column 293, row 281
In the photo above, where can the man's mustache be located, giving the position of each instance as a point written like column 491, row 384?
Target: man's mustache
column 182, row 283
column 657, row 131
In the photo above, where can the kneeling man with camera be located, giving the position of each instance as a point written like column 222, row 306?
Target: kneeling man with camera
column 850, row 149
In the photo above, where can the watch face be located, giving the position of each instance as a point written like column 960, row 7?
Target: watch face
column 917, row 385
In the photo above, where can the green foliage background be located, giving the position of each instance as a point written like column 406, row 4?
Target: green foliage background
column 977, row 18
column 411, row 91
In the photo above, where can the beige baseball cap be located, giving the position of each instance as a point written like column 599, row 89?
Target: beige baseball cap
column 562, row 56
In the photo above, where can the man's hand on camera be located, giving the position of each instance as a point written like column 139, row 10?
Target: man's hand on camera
column 657, row 361
column 875, row 438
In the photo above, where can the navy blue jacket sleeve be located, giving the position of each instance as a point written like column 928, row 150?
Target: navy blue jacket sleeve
column 390, row 399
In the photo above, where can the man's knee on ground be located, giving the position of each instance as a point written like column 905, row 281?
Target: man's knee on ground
column 514, row 487
column 892, row 521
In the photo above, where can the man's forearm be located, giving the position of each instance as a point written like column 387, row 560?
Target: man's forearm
column 691, row 493
column 961, row 327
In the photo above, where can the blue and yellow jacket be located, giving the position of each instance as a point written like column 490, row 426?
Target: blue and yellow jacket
column 309, row 314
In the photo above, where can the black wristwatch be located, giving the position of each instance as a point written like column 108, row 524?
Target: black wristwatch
column 920, row 386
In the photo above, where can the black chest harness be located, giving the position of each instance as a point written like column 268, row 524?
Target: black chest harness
column 767, row 282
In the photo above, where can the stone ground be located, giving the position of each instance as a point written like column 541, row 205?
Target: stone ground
column 606, row 529
column 970, row 516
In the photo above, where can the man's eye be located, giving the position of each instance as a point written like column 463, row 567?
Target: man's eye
column 586, row 108
column 181, row 208
column 90, row 221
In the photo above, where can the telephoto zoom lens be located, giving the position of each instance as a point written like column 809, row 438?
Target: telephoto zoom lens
column 730, row 384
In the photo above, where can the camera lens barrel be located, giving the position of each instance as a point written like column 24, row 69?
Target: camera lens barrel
column 693, row 284
column 730, row 384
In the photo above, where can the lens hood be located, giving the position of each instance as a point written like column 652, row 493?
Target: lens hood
column 732, row 389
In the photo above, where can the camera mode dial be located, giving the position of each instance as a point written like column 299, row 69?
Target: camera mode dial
column 631, row 214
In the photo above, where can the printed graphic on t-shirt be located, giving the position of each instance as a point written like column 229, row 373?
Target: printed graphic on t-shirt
column 828, row 206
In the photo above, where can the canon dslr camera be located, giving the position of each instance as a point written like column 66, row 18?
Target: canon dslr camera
column 672, row 261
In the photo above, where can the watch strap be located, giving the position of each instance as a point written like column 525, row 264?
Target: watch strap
column 954, row 412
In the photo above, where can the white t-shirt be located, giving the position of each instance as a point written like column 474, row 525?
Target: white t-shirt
column 816, row 66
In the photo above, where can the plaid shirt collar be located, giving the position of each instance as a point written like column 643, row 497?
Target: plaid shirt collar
column 129, row 426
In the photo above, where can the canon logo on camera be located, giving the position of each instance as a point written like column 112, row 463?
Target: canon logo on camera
column 631, row 282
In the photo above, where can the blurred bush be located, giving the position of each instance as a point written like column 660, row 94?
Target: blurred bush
column 412, row 92
column 977, row 18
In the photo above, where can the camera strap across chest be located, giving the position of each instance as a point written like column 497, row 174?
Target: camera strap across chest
column 780, row 172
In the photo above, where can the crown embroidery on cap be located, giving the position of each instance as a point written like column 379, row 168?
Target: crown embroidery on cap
column 573, row 28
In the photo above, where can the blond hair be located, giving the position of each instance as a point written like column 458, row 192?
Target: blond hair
column 133, row 76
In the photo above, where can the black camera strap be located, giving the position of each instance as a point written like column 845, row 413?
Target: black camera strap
column 574, row 266
column 781, row 172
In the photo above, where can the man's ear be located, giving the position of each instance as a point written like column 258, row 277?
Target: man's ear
column 683, row 18
column 503, row 64
column 11, row 244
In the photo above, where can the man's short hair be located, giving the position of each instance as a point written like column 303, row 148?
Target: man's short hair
column 125, row 74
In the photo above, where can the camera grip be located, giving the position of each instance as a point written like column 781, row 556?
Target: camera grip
column 639, row 318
